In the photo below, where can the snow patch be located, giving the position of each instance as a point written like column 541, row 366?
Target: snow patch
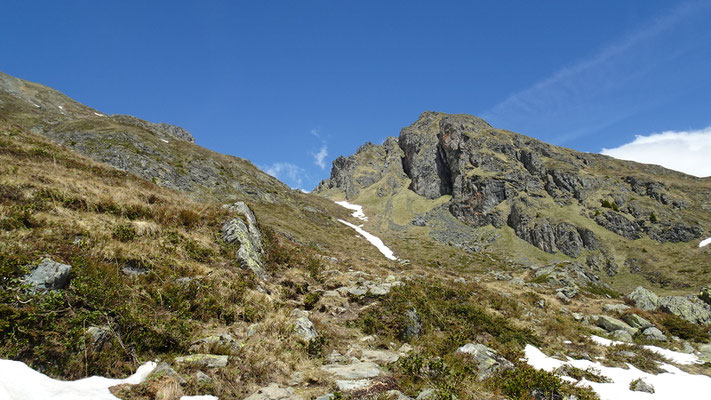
column 60, row 107
column 671, row 355
column 20, row 382
column 99, row 114
column 673, row 384
column 165, row 141
column 357, row 210
column 374, row 240
column 705, row 242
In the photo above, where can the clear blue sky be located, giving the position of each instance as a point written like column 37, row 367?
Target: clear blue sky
column 277, row 81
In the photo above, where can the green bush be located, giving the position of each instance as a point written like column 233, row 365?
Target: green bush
column 685, row 329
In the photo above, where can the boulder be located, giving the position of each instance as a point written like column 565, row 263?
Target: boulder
column 48, row 275
column 691, row 310
column 352, row 385
column 209, row 343
column 414, row 326
column 248, row 236
column 98, row 335
column 636, row 321
column 202, row 377
column 163, row 369
column 653, row 333
column 639, row 385
column 613, row 324
column 644, row 299
column 705, row 352
column 303, row 327
column 203, row 360
column 274, row 392
column 488, row 361
column 622, row 336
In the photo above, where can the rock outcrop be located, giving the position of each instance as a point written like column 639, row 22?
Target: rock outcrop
column 48, row 275
column 244, row 230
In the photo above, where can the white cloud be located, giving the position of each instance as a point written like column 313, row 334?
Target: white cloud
column 291, row 174
column 685, row 151
column 321, row 156
column 316, row 132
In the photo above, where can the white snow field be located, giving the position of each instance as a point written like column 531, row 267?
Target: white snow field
column 671, row 355
column 374, row 240
column 20, row 382
column 673, row 384
column 357, row 210
column 705, row 242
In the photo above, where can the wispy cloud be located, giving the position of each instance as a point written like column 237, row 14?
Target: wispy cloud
column 320, row 157
column 583, row 94
column 684, row 151
column 289, row 173
column 316, row 132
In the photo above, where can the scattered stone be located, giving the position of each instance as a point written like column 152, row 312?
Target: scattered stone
column 98, row 336
column 569, row 291
column 48, row 275
column 427, row 394
column 382, row 357
column 653, row 333
column 352, row 385
column 636, row 321
column 644, row 299
column 163, row 369
column 204, row 360
column 488, row 360
column 303, row 326
column 517, row 282
column 562, row 297
column 274, row 392
column 615, row 308
column 705, row 294
column 622, row 336
column 357, row 370
column 639, row 385
column 202, row 377
column 414, row 326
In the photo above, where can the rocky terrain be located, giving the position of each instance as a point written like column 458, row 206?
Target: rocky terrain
column 125, row 244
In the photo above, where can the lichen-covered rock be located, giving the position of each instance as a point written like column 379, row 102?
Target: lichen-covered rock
column 98, row 335
column 487, row 360
column 204, row 360
column 248, row 236
column 413, row 328
column 303, row 327
column 705, row 294
column 644, row 299
column 163, row 369
column 690, row 309
column 613, row 324
column 615, row 308
column 48, row 275
column 357, row 370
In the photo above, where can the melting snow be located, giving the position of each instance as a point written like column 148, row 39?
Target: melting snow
column 357, row 210
column 20, row 382
column 163, row 140
column 99, row 114
column 374, row 240
column 673, row 384
column 705, row 242
column 60, row 107
column 671, row 355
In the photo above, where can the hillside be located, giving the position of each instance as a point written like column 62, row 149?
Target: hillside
column 113, row 255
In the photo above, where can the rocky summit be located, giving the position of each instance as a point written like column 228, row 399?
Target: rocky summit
column 455, row 261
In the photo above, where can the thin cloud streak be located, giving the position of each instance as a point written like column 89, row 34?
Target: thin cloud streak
column 286, row 172
column 574, row 92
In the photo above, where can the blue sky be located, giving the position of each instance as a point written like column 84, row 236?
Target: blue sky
column 291, row 85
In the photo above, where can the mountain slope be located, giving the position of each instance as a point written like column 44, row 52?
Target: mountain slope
column 462, row 182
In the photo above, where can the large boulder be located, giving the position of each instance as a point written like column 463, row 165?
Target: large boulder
column 653, row 333
column 644, row 299
column 690, row 309
column 487, row 360
column 636, row 321
column 248, row 236
column 48, row 275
